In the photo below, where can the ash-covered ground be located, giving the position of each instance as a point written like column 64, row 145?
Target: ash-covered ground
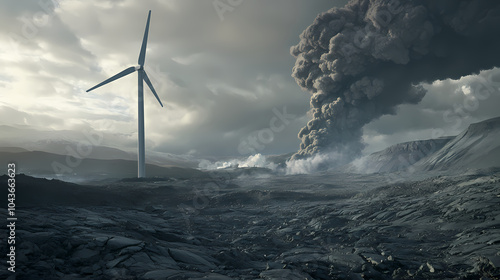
column 260, row 226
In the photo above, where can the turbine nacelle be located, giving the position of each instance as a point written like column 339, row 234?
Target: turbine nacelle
column 142, row 58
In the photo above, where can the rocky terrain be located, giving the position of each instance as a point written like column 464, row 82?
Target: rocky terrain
column 323, row 226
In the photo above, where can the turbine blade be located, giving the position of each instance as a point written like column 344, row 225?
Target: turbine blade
column 142, row 55
column 117, row 76
column 150, row 85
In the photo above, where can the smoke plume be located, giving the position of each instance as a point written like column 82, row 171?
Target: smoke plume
column 361, row 61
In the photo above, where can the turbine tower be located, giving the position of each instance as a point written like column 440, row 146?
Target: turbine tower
column 141, row 172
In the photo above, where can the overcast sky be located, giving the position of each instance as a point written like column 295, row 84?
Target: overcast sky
column 222, row 72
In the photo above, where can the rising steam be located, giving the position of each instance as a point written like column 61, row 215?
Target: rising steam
column 361, row 61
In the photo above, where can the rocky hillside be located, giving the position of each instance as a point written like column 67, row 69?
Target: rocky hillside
column 476, row 147
column 400, row 156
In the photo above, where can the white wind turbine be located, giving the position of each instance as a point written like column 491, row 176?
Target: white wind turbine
column 142, row 77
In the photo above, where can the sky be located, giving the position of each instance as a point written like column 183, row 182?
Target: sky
column 221, row 68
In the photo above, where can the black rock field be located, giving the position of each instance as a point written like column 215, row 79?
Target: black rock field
column 324, row 226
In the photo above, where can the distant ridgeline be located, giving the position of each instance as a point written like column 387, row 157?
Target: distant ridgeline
column 50, row 165
column 476, row 147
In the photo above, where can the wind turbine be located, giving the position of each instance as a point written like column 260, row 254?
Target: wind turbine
column 141, row 172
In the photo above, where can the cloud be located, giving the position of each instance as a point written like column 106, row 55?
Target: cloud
column 447, row 109
column 58, row 50
column 257, row 160
column 361, row 61
column 219, row 80
column 315, row 163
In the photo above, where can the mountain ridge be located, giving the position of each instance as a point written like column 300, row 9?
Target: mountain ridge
column 478, row 146
column 39, row 163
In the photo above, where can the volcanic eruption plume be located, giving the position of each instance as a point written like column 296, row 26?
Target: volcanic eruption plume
column 360, row 61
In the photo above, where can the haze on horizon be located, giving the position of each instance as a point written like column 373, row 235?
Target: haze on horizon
column 223, row 77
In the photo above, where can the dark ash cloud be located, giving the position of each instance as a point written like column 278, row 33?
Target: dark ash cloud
column 361, row 61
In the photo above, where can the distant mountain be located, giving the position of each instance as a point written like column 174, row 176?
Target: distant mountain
column 476, row 147
column 400, row 156
column 64, row 142
column 280, row 160
column 43, row 164
column 64, row 147
column 12, row 149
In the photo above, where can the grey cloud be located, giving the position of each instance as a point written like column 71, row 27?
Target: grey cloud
column 20, row 118
column 225, row 119
column 445, row 110
column 251, row 42
column 361, row 61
